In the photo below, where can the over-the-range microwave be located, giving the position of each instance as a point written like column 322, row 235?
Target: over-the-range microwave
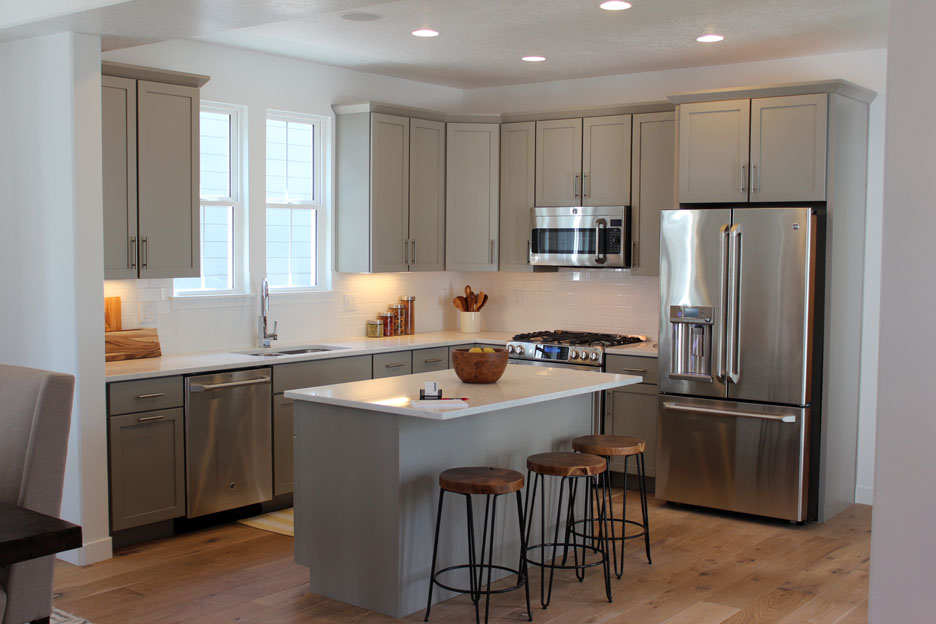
column 581, row 236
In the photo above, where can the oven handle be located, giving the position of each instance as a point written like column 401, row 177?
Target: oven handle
column 601, row 227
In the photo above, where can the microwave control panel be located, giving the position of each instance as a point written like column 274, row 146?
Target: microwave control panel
column 614, row 241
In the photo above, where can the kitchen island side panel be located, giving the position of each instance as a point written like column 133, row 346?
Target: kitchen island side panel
column 367, row 493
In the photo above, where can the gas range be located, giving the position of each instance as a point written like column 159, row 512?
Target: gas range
column 564, row 347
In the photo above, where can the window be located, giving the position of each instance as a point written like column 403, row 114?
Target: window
column 219, row 171
column 294, row 200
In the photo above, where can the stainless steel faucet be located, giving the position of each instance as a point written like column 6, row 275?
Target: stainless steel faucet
column 265, row 337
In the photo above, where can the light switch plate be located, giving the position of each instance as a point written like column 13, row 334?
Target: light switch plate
column 148, row 312
column 350, row 302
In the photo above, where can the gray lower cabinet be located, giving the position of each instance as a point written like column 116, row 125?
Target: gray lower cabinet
column 147, row 467
column 304, row 375
column 426, row 360
column 632, row 410
column 393, row 364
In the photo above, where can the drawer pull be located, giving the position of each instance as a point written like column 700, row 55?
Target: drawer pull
column 396, row 365
column 641, row 371
column 149, row 418
column 154, row 395
column 432, row 360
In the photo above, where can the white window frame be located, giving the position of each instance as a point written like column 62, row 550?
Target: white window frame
column 239, row 226
column 317, row 203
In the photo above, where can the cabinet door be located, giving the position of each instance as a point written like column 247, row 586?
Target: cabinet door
column 634, row 413
column 652, row 187
column 559, row 162
column 606, row 161
column 119, row 151
column 282, row 445
column 713, row 151
column 389, row 193
column 320, row 372
column 471, row 207
column 427, row 196
column 169, row 211
column 426, row 360
column 788, row 148
column 393, row 364
column 518, row 168
column 147, row 468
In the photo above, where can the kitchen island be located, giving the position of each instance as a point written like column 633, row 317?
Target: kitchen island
column 368, row 461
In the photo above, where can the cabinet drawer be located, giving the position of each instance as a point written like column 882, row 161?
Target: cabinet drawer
column 633, row 365
column 425, row 360
column 320, row 372
column 144, row 395
column 393, row 364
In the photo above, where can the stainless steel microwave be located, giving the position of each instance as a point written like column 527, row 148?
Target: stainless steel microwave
column 581, row 236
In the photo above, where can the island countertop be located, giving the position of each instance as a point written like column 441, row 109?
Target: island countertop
column 520, row 385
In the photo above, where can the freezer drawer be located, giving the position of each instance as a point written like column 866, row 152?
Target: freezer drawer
column 743, row 457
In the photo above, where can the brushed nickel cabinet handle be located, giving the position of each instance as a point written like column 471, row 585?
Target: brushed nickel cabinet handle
column 585, row 187
column 640, row 371
column 150, row 418
column 413, row 258
column 743, row 170
column 154, row 395
column 132, row 249
column 406, row 251
column 753, row 178
column 144, row 246
column 432, row 360
column 394, row 365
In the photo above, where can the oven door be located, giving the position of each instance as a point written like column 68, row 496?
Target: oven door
column 581, row 236
column 593, row 369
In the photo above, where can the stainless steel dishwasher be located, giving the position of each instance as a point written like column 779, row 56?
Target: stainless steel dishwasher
column 228, row 441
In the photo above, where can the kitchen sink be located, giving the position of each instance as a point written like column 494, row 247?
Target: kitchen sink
column 272, row 352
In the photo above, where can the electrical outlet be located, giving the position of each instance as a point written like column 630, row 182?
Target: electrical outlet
column 443, row 296
column 518, row 297
column 350, row 302
column 148, row 312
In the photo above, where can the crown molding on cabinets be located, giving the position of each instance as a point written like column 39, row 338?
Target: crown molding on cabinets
column 599, row 111
column 842, row 87
column 164, row 76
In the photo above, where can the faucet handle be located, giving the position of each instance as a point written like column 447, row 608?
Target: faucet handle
column 273, row 335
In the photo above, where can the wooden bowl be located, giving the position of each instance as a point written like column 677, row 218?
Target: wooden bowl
column 479, row 368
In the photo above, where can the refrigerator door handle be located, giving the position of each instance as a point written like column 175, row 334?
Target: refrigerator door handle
column 677, row 407
column 722, row 346
column 734, row 304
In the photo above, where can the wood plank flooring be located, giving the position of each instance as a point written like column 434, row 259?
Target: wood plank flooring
column 708, row 568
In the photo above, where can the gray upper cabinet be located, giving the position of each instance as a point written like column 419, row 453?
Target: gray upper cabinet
column 150, row 150
column 713, row 151
column 391, row 193
column 559, row 162
column 119, row 150
column 652, row 186
column 583, row 162
column 768, row 149
column 788, row 148
column 606, row 161
column 518, row 169
column 472, row 190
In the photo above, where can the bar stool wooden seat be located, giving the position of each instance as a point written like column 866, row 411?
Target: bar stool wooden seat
column 608, row 446
column 490, row 483
column 571, row 467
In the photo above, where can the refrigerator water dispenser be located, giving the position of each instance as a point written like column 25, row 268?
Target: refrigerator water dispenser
column 691, row 328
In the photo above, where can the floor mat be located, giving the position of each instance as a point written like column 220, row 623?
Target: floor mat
column 276, row 522
column 60, row 617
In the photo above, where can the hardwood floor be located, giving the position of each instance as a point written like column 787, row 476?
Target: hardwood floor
column 708, row 567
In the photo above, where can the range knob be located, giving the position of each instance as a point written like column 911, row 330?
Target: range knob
column 510, row 348
column 594, row 356
column 519, row 350
column 573, row 354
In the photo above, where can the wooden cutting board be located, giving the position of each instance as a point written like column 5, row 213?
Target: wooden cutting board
column 112, row 314
column 131, row 344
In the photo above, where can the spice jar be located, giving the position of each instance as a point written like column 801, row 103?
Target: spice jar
column 374, row 328
column 399, row 312
column 410, row 303
column 387, row 321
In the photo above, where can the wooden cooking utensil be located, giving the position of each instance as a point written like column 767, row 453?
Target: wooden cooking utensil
column 459, row 303
column 479, row 297
column 484, row 299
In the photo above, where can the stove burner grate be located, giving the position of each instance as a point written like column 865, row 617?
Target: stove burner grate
column 566, row 337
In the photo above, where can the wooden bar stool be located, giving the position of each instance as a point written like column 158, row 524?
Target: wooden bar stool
column 608, row 446
column 491, row 483
column 571, row 467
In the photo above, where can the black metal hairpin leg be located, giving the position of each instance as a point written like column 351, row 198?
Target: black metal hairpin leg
column 602, row 539
column 435, row 552
column 642, row 472
column 522, row 567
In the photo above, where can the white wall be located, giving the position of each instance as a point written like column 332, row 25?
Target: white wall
column 903, row 551
column 50, row 248
column 867, row 68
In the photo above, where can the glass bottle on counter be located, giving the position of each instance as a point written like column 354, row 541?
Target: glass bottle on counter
column 374, row 328
column 387, row 320
column 399, row 312
column 410, row 303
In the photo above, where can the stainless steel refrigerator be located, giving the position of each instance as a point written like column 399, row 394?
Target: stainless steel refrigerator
column 740, row 325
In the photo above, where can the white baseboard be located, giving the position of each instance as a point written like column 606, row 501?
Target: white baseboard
column 864, row 494
column 91, row 552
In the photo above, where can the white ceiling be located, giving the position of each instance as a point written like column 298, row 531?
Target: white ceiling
column 482, row 40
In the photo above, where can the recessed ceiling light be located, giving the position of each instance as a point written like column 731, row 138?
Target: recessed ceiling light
column 615, row 5
column 425, row 32
column 709, row 38
column 533, row 59
column 360, row 16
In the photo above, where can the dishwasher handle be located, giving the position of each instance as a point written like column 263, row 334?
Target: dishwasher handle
column 228, row 384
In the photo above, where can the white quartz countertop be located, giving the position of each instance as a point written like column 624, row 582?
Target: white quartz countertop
column 643, row 349
column 520, row 385
column 216, row 361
